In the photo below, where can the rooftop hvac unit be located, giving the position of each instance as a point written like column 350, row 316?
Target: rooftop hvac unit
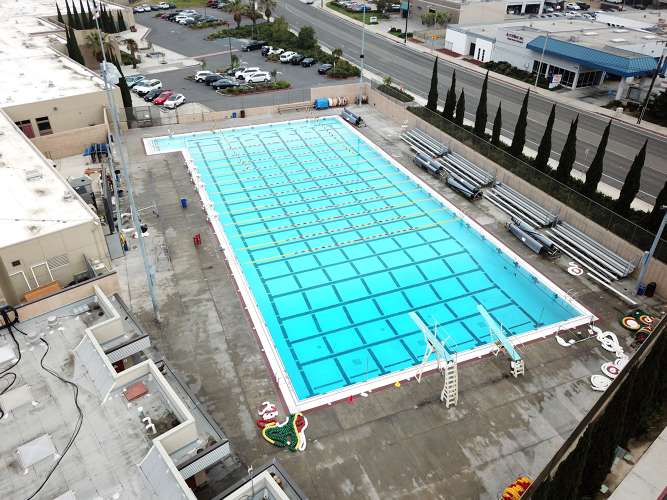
column 67, row 196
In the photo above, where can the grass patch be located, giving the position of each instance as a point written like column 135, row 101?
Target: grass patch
column 258, row 88
column 357, row 16
column 181, row 4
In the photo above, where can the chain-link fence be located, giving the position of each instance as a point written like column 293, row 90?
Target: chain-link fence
column 603, row 216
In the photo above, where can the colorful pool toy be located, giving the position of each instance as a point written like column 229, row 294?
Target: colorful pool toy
column 290, row 434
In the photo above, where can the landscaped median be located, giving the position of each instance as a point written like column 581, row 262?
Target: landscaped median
column 278, row 34
column 256, row 88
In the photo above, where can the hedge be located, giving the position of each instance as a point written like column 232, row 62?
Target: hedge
column 392, row 91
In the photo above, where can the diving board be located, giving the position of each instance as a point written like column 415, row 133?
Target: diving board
column 446, row 362
column 497, row 332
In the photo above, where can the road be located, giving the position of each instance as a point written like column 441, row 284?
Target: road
column 412, row 69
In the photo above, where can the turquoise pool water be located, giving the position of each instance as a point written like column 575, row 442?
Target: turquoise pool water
column 338, row 245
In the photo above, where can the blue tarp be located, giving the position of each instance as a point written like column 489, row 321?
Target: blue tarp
column 618, row 62
column 96, row 148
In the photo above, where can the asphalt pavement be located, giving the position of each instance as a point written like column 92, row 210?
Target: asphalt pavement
column 412, row 69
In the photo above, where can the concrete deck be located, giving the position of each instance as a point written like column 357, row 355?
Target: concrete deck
column 396, row 443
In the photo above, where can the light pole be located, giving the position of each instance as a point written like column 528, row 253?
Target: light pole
column 650, row 89
column 150, row 276
column 361, row 56
column 647, row 257
column 407, row 14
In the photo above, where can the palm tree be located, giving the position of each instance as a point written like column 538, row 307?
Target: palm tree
column 336, row 54
column 268, row 6
column 253, row 14
column 132, row 47
column 236, row 8
column 93, row 43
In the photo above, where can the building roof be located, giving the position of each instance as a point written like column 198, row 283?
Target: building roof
column 114, row 453
column 33, row 201
column 49, row 74
column 611, row 59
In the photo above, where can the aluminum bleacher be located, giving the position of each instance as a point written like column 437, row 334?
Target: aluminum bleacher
column 596, row 258
column 519, row 207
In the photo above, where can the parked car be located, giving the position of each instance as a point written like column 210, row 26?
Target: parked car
column 164, row 6
column 297, row 59
column 308, row 61
column 209, row 79
column 174, row 101
column 152, row 94
column 253, row 45
column 139, row 9
column 277, row 51
column 132, row 80
column 161, row 99
column 286, row 57
column 224, row 83
column 199, row 75
column 324, row 69
column 155, row 7
column 241, row 72
column 584, row 5
column 258, row 77
column 146, row 86
column 186, row 21
column 572, row 6
column 266, row 49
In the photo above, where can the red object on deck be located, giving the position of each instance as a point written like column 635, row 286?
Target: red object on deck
column 196, row 239
column 135, row 391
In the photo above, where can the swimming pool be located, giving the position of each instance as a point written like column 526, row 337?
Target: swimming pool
column 333, row 243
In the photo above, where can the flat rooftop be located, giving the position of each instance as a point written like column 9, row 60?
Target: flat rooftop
column 400, row 442
column 33, row 201
column 583, row 32
column 49, row 75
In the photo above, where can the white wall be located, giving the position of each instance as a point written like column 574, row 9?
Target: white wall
column 456, row 41
column 616, row 20
column 483, row 49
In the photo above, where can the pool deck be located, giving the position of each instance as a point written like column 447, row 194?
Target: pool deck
column 397, row 442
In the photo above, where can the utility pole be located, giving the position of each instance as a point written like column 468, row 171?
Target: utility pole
column 150, row 276
column 650, row 89
column 539, row 66
column 407, row 14
column 647, row 257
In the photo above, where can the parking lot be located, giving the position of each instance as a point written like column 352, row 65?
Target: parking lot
column 193, row 43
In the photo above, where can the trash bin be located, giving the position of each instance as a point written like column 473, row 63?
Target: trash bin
column 243, row 113
column 650, row 289
column 234, row 114
column 641, row 289
column 184, row 203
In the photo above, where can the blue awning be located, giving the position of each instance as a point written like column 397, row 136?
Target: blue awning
column 614, row 61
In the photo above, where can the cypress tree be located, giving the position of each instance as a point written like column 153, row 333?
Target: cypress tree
column 450, row 100
column 631, row 185
column 69, row 14
column 112, row 23
column 655, row 217
column 103, row 19
column 460, row 108
column 76, row 51
column 76, row 20
column 594, row 172
column 121, row 22
column 60, row 16
column 91, row 18
column 432, row 102
column 497, row 126
column 480, row 115
column 84, row 16
column 569, row 153
column 519, row 137
column 541, row 161
column 68, row 43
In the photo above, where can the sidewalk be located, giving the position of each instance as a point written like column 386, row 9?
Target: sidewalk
column 154, row 58
column 382, row 29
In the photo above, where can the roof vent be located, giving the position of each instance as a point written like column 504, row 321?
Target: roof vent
column 33, row 228
column 649, row 37
column 33, row 174
column 619, row 30
column 51, row 84
column 590, row 33
column 67, row 196
column 618, row 40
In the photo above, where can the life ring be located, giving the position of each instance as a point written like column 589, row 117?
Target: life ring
column 631, row 323
column 646, row 319
column 574, row 269
column 611, row 370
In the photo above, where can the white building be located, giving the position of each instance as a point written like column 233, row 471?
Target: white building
column 573, row 52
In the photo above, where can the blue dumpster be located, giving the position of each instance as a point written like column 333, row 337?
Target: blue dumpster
column 322, row 103
column 234, row 114
column 184, row 203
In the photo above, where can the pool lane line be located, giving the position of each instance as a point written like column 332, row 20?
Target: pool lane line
column 256, row 220
column 330, row 175
column 352, row 242
column 399, row 218
column 315, row 198
column 332, row 218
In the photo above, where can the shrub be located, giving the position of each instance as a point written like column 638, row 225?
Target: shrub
column 392, row 91
column 505, row 68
